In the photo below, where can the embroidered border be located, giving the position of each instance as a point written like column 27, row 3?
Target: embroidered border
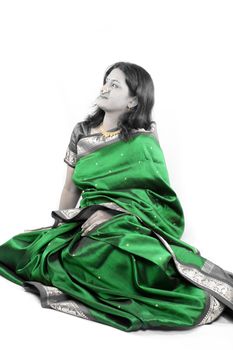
column 69, row 214
column 70, row 157
column 53, row 297
column 214, row 311
column 93, row 142
column 53, row 291
column 220, row 288
column 68, row 306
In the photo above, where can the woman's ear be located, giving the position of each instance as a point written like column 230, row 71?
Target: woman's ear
column 134, row 102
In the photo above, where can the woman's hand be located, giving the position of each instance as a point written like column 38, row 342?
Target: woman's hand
column 95, row 219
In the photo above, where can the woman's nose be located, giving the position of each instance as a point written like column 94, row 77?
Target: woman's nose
column 105, row 88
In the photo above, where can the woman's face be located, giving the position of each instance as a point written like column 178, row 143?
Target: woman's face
column 115, row 93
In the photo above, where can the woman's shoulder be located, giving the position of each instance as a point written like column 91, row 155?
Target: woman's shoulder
column 80, row 129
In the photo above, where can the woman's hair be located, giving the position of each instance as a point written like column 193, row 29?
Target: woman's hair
column 140, row 84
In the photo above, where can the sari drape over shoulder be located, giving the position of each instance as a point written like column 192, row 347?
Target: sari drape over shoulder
column 132, row 271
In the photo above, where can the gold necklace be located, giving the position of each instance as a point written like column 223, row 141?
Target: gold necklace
column 108, row 133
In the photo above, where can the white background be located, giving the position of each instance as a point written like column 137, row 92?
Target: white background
column 53, row 58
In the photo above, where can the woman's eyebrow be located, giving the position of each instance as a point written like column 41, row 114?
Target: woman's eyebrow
column 113, row 80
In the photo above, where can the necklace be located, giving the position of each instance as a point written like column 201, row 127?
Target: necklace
column 109, row 133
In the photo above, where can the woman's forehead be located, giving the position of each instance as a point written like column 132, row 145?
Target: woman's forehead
column 117, row 75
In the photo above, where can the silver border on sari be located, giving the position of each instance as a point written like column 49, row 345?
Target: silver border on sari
column 214, row 311
column 70, row 157
column 93, row 142
column 219, row 285
column 52, row 297
column 75, row 214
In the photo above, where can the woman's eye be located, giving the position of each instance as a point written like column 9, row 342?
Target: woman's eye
column 114, row 84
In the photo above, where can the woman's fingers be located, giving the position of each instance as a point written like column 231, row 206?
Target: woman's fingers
column 96, row 218
column 88, row 229
column 86, row 224
column 89, row 221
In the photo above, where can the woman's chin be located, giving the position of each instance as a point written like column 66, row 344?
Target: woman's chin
column 100, row 104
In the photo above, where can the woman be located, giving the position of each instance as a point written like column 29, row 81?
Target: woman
column 118, row 258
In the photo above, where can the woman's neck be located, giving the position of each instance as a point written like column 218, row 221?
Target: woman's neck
column 110, row 121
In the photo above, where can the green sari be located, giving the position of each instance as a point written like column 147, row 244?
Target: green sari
column 131, row 271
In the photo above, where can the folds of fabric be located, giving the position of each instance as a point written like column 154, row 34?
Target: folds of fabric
column 132, row 271
column 135, row 177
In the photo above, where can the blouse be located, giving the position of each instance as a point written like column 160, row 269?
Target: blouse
column 78, row 132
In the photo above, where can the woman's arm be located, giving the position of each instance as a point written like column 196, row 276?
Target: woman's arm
column 70, row 192
column 68, row 199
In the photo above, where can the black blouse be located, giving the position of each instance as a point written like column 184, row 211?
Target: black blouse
column 80, row 130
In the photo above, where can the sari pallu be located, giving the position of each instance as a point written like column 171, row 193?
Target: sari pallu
column 131, row 271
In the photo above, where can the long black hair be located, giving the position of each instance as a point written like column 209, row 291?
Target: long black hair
column 140, row 84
